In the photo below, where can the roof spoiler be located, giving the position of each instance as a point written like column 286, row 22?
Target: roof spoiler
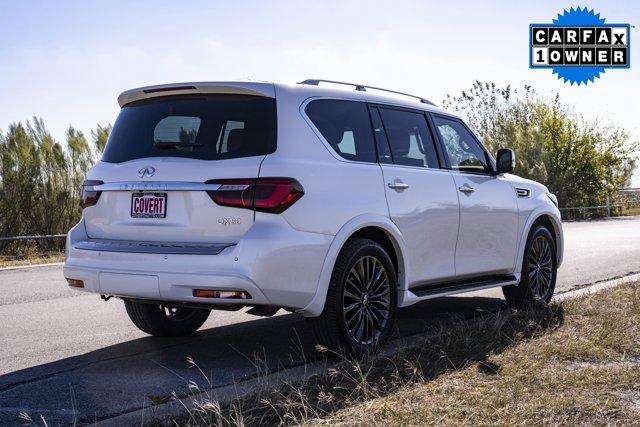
column 234, row 88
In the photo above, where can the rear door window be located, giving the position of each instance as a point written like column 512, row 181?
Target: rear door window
column 345, row 125
column 207, row 127
column 409, row 138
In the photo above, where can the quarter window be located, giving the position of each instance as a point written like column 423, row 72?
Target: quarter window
column 465, row 153
column 410, row 139
column 345, row 125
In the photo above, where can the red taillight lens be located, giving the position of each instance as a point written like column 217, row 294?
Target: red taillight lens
column 234, row 192
column 273, row 195
column 89, row 197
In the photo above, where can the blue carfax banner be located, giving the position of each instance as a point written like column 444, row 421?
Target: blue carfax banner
column 578, row 46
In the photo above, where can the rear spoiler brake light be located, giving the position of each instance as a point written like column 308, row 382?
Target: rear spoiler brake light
column 168, row 89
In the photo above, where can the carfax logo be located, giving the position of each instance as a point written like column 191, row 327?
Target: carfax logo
column 578, row 46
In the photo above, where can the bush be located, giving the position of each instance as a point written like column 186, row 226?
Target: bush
column 581, row 161
column 40, row 181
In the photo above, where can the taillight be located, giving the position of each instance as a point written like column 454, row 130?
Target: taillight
column 273, row 195
column 89, row 197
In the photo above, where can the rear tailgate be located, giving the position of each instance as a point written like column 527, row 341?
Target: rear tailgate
column 190, row 214
column 160, row 154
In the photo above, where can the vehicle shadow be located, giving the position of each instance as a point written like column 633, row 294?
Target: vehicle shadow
column 449, row 344
column 140, row 373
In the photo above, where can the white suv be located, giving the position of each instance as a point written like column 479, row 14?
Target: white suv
column 338, row 204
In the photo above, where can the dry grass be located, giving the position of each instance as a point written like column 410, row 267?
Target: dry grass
column 575, row 363
column 632, row 211
column 31, row 259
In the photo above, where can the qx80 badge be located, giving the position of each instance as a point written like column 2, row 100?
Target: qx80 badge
column 578, row 46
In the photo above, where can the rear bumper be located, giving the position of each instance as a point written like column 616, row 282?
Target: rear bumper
column 163, row 286
column 274, row 263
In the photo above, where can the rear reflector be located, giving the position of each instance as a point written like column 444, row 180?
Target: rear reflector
column 221, row 294
column 273, row 195
column 75, row 283
column 89, row 197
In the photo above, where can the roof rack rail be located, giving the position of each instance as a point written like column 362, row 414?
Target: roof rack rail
column 363, row 88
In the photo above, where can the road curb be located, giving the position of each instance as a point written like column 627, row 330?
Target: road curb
column 28, row 266
column 597, row 286
column 299, row 373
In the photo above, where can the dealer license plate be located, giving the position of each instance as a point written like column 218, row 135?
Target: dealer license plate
column 149, row 205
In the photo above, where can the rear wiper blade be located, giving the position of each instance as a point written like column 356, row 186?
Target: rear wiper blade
column 170, row 145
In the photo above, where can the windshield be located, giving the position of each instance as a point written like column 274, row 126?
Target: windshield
column 205, row 127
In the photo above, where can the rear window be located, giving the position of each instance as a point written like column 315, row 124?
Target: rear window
column 346, row 127
column 209, row 127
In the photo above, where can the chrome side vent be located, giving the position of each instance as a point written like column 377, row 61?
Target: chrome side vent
column 523, row 192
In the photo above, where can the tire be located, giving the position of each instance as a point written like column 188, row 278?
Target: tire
column 358, row 316
column 539, row 272
column 165, row 321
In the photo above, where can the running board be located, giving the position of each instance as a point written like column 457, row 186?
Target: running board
column 458, row 287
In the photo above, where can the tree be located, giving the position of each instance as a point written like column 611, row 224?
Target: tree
column 581, row 161
column 100, row 136
column 40, row 180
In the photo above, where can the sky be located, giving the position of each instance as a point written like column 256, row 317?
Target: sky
column 67, row 61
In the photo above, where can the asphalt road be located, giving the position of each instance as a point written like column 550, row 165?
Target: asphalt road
column 72, row 357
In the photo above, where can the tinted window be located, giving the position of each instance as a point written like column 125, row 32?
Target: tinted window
column 176, row 129
column 410, row 139
column 208, row 127
column 465, row 153
column 231, row 130
column 346, row 127
column 384, row 153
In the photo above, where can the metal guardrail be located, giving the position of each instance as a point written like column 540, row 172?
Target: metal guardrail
column 608, row 207
column 578, row 208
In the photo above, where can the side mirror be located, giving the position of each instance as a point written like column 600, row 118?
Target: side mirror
column 506, row 160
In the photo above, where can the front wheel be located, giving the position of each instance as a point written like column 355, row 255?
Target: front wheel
column 360, row 309
column 165, row 321
column 539, row 272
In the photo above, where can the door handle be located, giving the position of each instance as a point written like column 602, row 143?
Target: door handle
column 466, row 189
column 398, row 185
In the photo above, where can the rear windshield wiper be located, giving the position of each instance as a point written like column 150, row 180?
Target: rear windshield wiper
column 170, row 145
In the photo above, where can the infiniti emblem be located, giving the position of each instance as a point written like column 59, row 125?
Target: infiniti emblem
column 147, row 171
